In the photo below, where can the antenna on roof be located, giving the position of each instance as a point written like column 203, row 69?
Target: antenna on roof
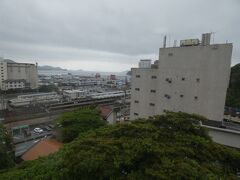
column 175, row 43
column 213, row 36
column 169, row 41
column 164, row 41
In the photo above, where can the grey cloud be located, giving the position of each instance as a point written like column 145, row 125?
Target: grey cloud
column 119, row 30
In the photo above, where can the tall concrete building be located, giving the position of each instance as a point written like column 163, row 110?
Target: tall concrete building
column 17, row 75
column 192, row 78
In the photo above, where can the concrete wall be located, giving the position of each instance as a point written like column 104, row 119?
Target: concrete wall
column 3, row 73
column 23, row 71
column 140, row 100
column 199, row 79
column 224, row 136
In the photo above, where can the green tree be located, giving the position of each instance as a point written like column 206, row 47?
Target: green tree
column 6, row 149
column 171, row 146
column 71, row 124
column 233, row 93
column 48, row 88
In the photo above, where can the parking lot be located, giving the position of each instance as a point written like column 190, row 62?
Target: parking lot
column 23, row 141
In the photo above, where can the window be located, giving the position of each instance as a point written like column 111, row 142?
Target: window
column 198, row 80
column 137, row 76
column 137, row 89
column 154, row 77
column 169, row 80
column 135, row 114
column 167, row 96
column 153, row 91
column 170, row 54
column 152, row 104
column 136, row 101
column 181, row 95
column 195, row 97
column 183, row 78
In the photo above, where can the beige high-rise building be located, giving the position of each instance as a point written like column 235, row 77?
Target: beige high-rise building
column 17, row 75
column 192, row 78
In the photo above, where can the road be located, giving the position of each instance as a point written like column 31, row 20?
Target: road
column 232, row 125
column 22, row 147
column 26, row 143
column 34, row 121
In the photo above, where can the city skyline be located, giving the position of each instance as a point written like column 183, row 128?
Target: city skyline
column 107, row 35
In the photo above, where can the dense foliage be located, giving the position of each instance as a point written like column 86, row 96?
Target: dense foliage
column 73, row 123
column 6, row 149
column 171, row 146
column 233, row 93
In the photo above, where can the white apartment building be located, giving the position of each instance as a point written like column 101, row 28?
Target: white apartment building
column 17, row 75
column 192, row 78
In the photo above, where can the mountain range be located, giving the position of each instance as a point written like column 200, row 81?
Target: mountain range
column 43, row 69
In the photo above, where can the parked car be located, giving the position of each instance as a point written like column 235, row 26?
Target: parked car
column 47, row 128
column 38, row 130
column 51, row 126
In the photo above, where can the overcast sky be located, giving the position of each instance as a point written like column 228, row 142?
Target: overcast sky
column 109, row 35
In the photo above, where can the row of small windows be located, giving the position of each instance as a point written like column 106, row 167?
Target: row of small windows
column 169, row 97
column 14, row 85
column 152, row 90
column 150, row 104
column 153, row 77
column 166, row 95
column 181, row 95
column 169, row 80
column 16, row 82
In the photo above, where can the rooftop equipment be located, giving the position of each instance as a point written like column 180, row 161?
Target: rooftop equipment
column 189, row 42
column 164, row 41
column 145, row 63
column 206, row 39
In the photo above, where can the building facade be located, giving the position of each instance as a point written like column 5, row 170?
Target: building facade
column 18, row 75
column 190, row 78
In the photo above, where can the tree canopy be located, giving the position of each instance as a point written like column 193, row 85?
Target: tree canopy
column 71, row 124
column 6, row 149
column 48, row 88
column 171, row 146
column 233, row 93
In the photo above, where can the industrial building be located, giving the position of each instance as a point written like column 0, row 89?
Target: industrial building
column 34, row 99
column 17, row 75
column 112, row 94
column 74, row 94
column 191, row 78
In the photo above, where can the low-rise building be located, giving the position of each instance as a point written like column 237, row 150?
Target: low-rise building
column 74, row 94
column 34, row 99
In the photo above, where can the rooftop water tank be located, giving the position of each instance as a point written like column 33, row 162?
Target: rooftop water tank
column 145, row 63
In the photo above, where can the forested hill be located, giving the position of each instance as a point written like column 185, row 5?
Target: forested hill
column 233, row 94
